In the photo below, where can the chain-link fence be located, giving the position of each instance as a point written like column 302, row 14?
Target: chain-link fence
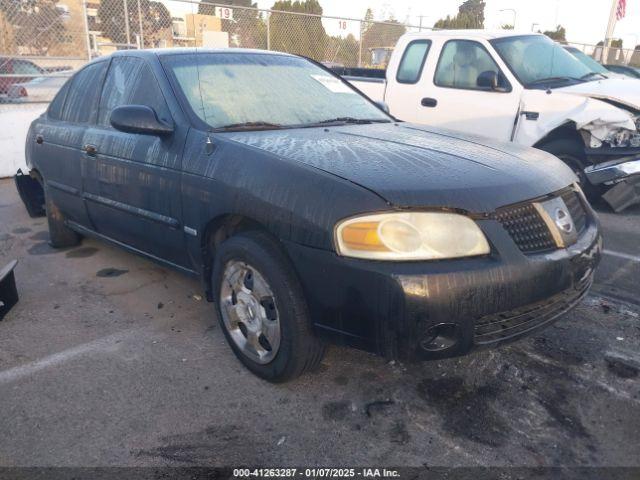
column 43, row 41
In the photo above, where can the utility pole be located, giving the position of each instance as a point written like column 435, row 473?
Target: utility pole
column 126, row 24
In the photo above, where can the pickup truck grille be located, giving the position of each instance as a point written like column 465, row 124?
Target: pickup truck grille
column 529, row 231
column 526, row 227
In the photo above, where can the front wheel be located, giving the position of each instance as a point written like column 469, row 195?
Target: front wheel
column 262, row 309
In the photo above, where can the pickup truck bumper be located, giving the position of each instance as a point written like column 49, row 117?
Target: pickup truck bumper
column 613, row 171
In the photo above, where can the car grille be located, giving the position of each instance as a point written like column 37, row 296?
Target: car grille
column 528, row 229
column 500, row 327
column 576, row 209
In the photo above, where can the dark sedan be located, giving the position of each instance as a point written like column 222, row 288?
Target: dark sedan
column 308, row 212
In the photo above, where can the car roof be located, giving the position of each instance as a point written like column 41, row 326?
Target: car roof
column 160, row 52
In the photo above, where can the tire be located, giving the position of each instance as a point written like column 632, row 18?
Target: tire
column 258, row 259
column 572, row 154
column 60, row 236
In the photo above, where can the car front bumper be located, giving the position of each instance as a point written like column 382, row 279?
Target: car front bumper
column 613, row 171
column 427, row 310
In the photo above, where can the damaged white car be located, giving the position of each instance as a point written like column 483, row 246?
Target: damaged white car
column 520, row 88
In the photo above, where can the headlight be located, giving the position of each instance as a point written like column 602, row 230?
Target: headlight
column 410, row 236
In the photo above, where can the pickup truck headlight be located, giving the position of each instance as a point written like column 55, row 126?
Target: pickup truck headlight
column 410, row 236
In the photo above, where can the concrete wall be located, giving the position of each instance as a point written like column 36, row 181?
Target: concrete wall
column 14, row 124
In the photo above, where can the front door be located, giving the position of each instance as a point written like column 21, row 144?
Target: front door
column 133, row 180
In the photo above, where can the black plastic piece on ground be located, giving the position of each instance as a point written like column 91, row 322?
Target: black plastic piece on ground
column 8, row 289
column 31, row 193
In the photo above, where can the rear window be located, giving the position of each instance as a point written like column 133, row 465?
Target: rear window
column 81, row 102
column 55, row 107
column 412, row 62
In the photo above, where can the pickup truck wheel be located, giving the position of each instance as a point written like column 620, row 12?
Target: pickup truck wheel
column 60, row 236
column 262, row 309
column 572, row 154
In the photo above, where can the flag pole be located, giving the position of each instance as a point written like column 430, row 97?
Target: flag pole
column 608, row 37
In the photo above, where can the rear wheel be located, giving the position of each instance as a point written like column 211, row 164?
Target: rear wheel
column 262, row 309
column 60, row 236
column 572, row 154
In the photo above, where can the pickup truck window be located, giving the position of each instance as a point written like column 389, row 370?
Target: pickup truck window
column 413, row 59
column 234, row 89
column 538, row 61
column 130, row 81
column 81, row 101
column 461, row 63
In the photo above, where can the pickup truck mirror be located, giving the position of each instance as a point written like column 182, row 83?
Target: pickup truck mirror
column 490, row 81
column 138, row 119
column 383, row 106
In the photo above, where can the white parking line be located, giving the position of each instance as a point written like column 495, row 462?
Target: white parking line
column 626, row 256
column 106, row 344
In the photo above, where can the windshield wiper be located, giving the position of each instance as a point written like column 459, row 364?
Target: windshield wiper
column 249, row 126
column 541, row 81
column 353, row 120
column 590, row 74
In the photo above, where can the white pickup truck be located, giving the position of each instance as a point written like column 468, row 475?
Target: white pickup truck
column 518, row 88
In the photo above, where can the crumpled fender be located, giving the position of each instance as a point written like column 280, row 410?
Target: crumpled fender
column 556, row 109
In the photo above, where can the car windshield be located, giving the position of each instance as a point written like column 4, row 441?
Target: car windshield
column 538, row 61
column 587, row 61
column 262, row 91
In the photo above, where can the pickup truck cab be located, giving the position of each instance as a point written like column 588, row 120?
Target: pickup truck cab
column 524, row 89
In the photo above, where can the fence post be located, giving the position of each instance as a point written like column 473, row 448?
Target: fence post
column 126, row 23
column 268, row 31
column 140, row 25
column 360, row 45
column 86, row 28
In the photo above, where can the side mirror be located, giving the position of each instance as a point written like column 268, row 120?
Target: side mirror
column 382, row 106
column 138, row 119
column 490, row 81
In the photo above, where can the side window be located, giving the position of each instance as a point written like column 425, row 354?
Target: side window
column 462, row 62
column 55, row 107
column 131, row 81
column 412, row 61
column 81, row 100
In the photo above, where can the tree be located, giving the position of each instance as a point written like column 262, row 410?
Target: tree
column 36, row 24
column 343, row 50
column 559, row 34
column 299, row 34
column 247, row 29
column 156, row 21
column 470, row 16
column 507, row 26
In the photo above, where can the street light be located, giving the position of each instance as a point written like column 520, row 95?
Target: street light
column 515, row 14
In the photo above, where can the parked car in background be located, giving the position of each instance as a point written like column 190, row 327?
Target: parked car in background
column 11, row 68
column 591, row 63
column 39, row 89
column 309, row 213
column 524, row 89
column 627, row 70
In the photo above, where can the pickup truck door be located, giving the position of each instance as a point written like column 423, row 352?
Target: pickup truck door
column 450, row 91
column 133, row 180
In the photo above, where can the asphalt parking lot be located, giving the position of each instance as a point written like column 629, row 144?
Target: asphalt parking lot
column 109, row 359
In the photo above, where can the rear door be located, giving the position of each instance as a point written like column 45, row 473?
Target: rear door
column 59, row 140
column 133, row 180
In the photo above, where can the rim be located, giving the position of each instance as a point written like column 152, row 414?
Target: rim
column 249, row 311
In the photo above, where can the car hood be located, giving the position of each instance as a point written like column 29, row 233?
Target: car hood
column 625, row 91
column 416, row 166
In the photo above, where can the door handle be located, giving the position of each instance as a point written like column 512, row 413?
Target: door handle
column 90, row 149
column 428, row 102
column 39, row 139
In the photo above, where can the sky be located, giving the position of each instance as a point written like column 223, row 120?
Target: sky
column 585, row 20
